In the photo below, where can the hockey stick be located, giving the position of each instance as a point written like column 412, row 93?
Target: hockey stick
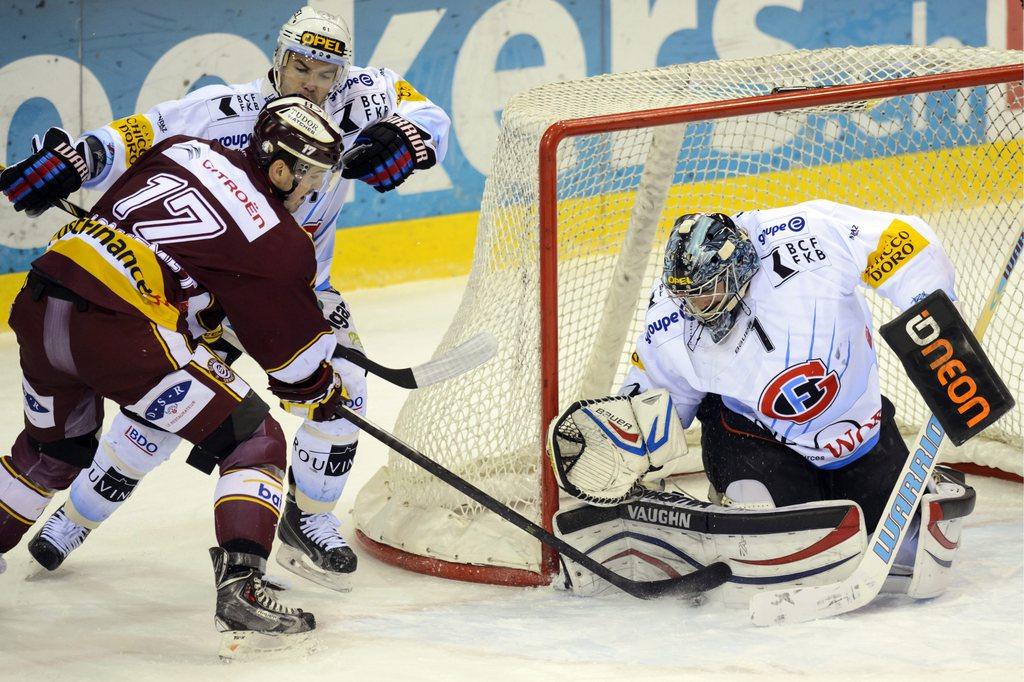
column 701, row 580
column 459, row 360
column 800, row 604
column 468, row 355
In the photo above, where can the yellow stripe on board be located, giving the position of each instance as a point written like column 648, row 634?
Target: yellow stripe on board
column 912, row 184
column 10, row 285
column 392, row 253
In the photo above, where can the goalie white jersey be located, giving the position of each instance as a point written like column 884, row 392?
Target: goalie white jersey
column 800, row 360
column 227, row 113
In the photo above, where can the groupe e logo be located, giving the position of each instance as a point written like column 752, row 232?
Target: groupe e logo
column 794, row 224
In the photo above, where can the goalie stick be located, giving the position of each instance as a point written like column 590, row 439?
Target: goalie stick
column 799, row 604
column 701, row 580
column 468, row 355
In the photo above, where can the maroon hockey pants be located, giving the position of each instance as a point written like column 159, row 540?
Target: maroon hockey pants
column 73, row 354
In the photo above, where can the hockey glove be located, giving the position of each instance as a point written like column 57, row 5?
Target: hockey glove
column 317, row 398
column 387, row 152
column 55, row 170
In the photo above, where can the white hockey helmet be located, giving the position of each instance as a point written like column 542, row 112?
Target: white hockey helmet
column 315, row 34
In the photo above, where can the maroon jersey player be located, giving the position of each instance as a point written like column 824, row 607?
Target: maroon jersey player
column 116, row 307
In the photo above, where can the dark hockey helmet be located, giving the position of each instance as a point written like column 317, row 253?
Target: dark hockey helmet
column 299, row 132
column 709, row 263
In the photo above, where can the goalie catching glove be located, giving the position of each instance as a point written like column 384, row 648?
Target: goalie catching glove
column 602, row 449
column 317, row 398
column 387, row 152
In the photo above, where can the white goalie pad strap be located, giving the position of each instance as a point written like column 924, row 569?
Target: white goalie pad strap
column 668, row 534
column 942, row 520
column 598, row 451
column 20, row 497
column 663, row 433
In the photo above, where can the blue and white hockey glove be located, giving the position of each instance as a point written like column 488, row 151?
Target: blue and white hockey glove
column 53, row 172
column 387, row 152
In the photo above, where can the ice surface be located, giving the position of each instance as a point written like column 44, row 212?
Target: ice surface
column 135, row 602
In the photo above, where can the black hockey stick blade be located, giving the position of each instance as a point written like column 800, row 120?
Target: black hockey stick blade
column 701, row 580
column 468, row 355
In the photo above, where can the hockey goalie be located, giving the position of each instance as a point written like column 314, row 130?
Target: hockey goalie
column 759, row 330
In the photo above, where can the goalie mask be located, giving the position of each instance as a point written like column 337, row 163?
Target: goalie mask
column 315, row 34
column 300, row 133
column 709, row 263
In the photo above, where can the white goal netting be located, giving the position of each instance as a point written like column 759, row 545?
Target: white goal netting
column 953, row 157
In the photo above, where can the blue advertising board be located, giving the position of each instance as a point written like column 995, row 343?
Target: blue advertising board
column 81, row 63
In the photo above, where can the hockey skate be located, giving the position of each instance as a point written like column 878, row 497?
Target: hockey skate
column 312, row 548
column 251, row 620
column 58, row 537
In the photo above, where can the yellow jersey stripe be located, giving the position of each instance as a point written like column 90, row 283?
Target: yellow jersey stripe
column 15, row 515
column 119, row 264
column 247, row 498
column 299, row 352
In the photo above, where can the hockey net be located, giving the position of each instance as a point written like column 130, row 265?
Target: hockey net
column 586, row 180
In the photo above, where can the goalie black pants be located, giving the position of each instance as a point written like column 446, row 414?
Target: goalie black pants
column 735, row 448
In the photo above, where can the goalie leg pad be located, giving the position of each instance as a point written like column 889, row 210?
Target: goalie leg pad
column 941, row 523
column 670, row 534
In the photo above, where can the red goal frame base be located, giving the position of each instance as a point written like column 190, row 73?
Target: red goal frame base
column 471, row 573
column 982, row 470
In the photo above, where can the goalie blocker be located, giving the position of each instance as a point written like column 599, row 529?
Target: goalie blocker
column 946, row 363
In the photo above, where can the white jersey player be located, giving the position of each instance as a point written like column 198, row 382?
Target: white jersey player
column 759, row 329
column 390, row 130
